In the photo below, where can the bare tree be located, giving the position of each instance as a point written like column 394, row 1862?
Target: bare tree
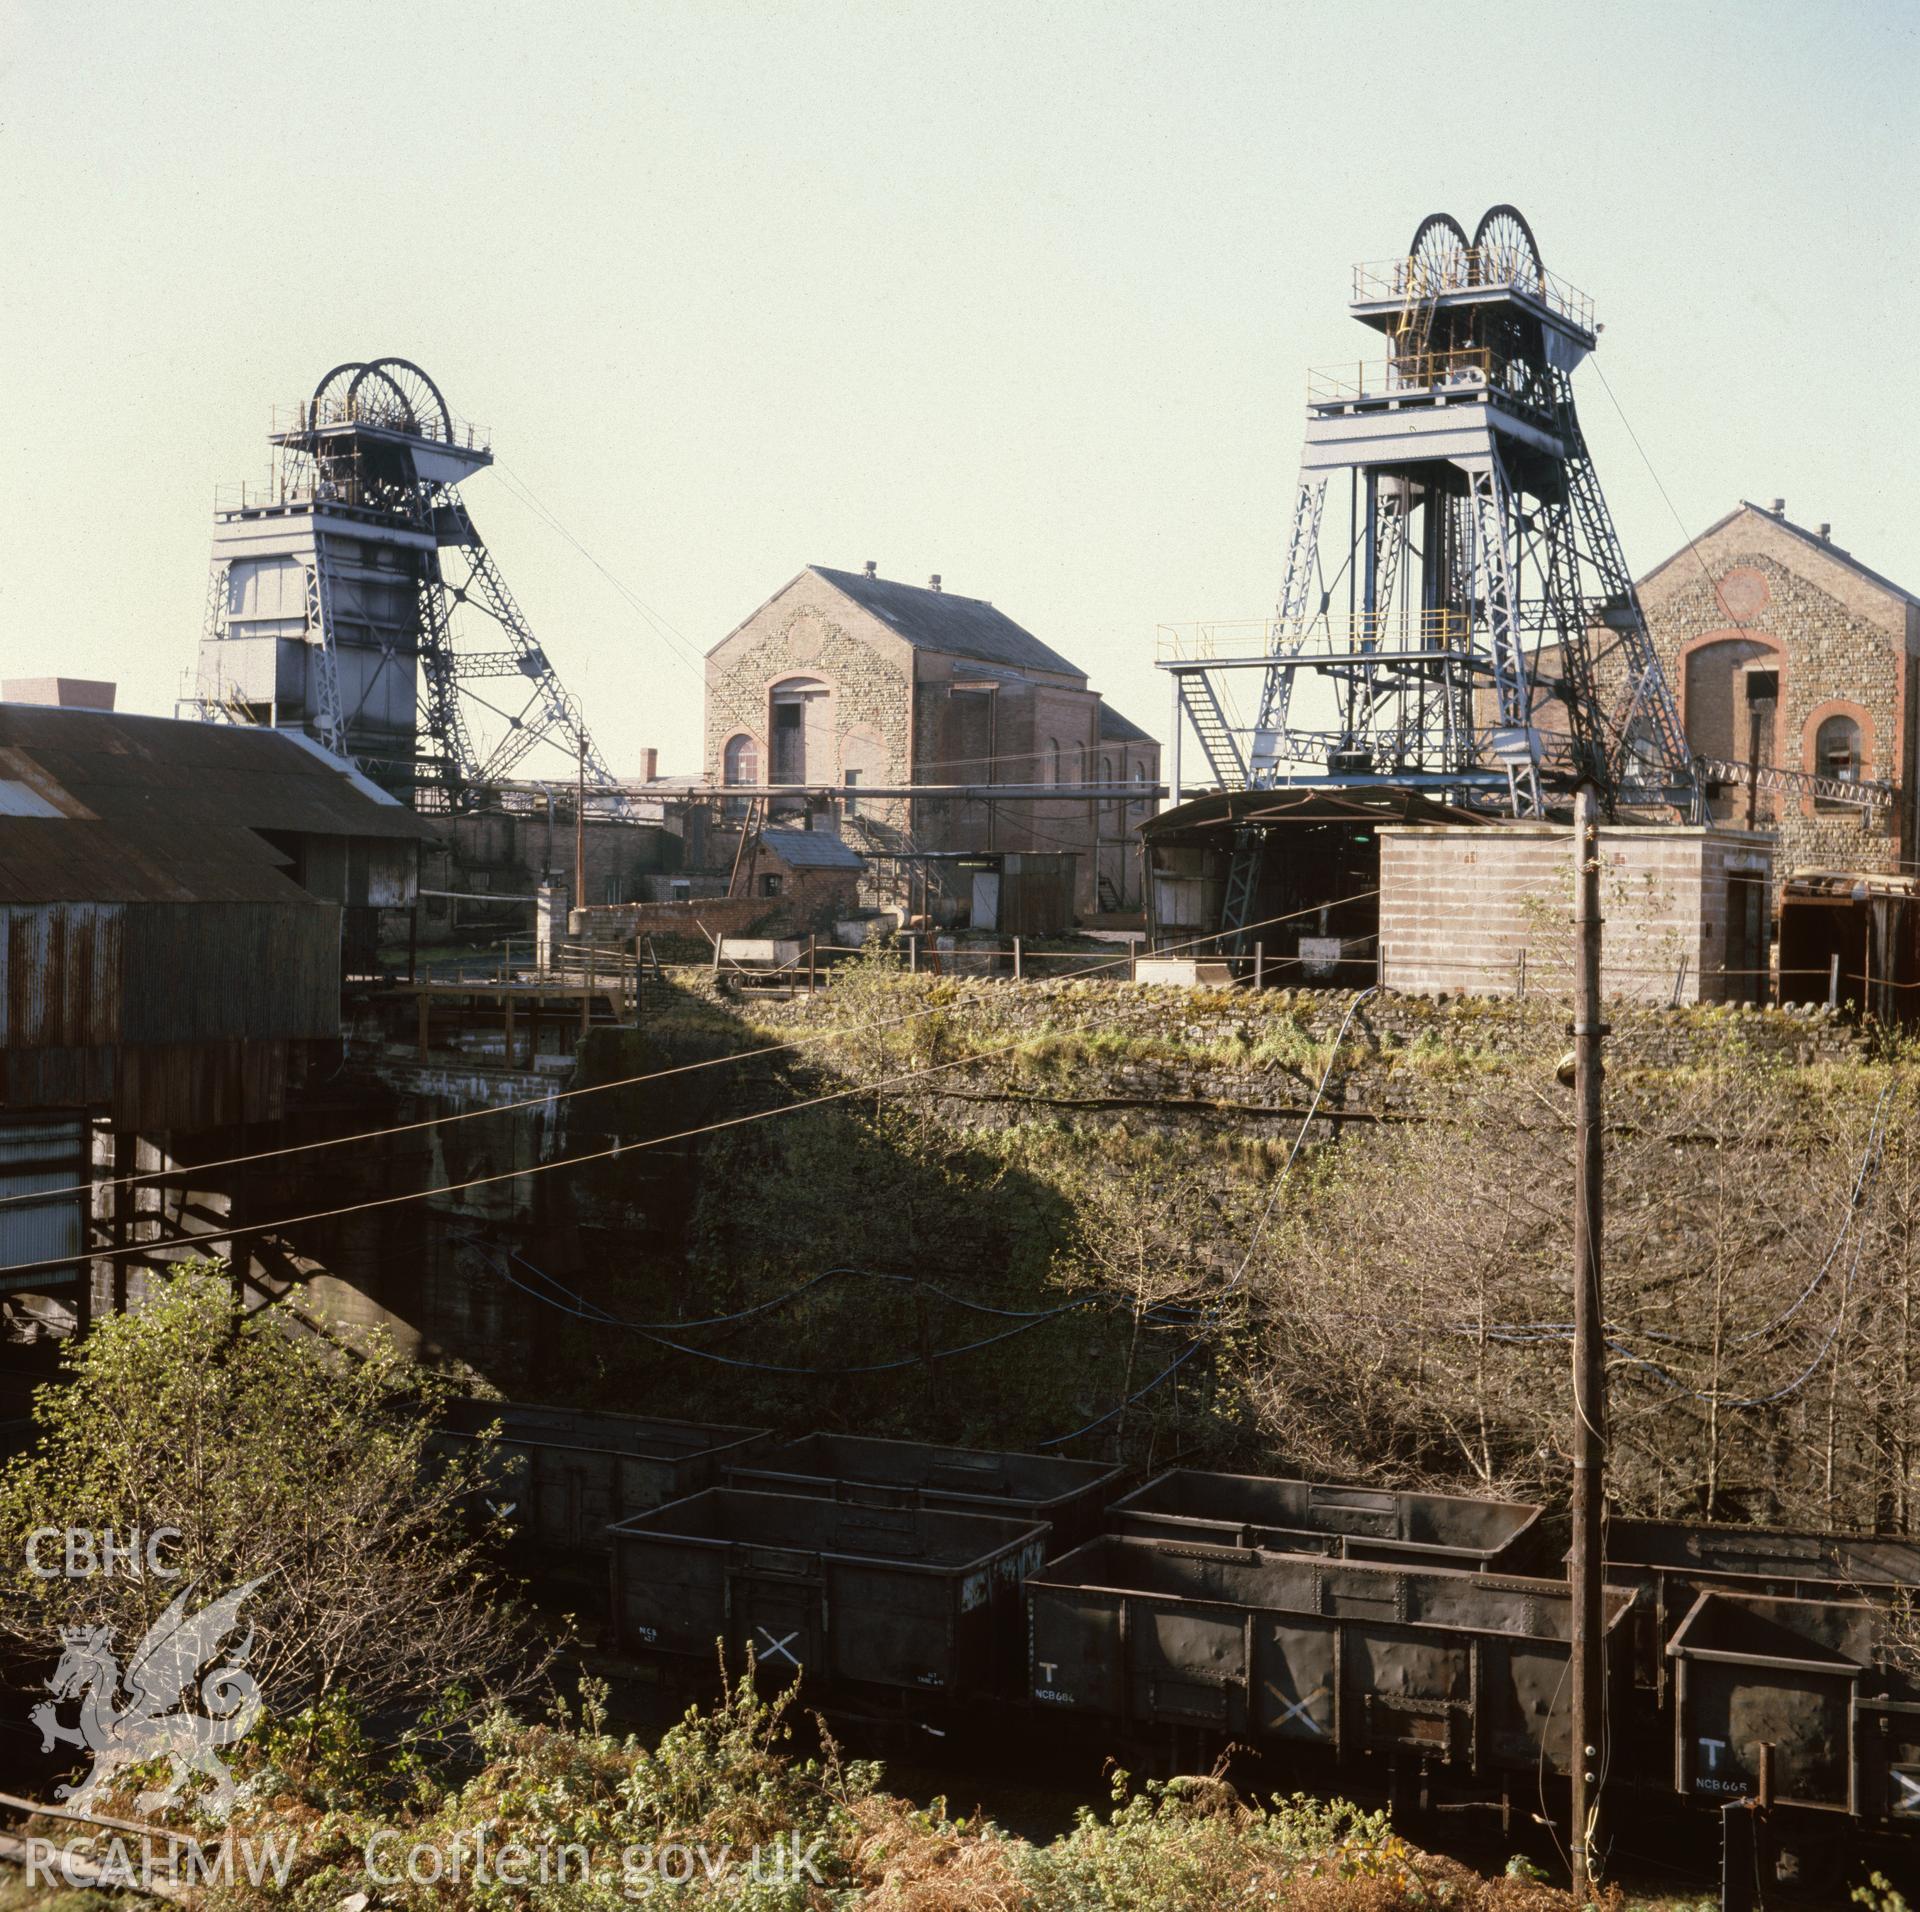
column 265, row 1453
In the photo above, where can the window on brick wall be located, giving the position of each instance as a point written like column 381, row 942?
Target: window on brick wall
column 1836, row 753
column 740, row 764
column 1715, row 687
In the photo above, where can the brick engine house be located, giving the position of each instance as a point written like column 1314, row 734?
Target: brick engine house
column 844, row 682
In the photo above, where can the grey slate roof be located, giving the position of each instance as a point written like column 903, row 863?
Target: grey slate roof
column 945, row 621
column 811, row 850
column 1118, row 729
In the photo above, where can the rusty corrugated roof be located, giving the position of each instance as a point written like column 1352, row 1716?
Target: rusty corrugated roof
column 45, row 860
column 112, row 808
column 119, row 768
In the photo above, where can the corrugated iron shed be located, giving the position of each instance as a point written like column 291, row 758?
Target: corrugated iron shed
column 158, row 959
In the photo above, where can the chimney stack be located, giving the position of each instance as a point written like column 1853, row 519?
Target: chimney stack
column 1826, row 532
column 1779, row 507
column 933, row 583
column 872, row 568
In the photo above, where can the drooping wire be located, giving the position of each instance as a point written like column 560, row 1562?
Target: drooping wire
column 1293, row 1154
column 1139, row 1394
column 774, row 1302
column 601, row 1318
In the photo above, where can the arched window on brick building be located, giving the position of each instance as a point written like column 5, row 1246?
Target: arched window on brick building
column 1836, row 753
column 740, row 763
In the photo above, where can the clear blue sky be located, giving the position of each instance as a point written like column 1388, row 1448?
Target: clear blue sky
column 1023, row 294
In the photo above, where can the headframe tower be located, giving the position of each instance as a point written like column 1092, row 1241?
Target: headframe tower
column 1471, row 631
column 337, row 591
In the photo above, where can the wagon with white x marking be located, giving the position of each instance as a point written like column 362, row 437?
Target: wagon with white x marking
column 848, row 1595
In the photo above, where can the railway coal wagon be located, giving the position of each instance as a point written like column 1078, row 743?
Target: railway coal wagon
column 1814, row 1690
column 1070, row 1496
column 573, row 1473
column 869, row 1596
column 1670, row 1563
column 1466, row 1670
column 1351, row 1523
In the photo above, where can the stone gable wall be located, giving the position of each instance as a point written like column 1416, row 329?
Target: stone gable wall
column 1838, row 647
column 810, row 630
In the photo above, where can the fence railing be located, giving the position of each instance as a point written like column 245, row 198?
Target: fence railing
column 1473, row 367
column 1225, row 638
column 618, row 972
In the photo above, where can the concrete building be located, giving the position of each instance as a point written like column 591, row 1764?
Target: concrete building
column 1783, row 648
column 843, row 681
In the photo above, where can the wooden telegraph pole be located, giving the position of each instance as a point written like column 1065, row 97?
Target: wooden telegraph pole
column 1586, row 1567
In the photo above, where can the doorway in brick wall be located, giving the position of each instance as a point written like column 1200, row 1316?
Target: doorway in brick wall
column 1746, row 979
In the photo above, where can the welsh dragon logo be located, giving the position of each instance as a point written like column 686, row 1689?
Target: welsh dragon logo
column 177, row 1664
